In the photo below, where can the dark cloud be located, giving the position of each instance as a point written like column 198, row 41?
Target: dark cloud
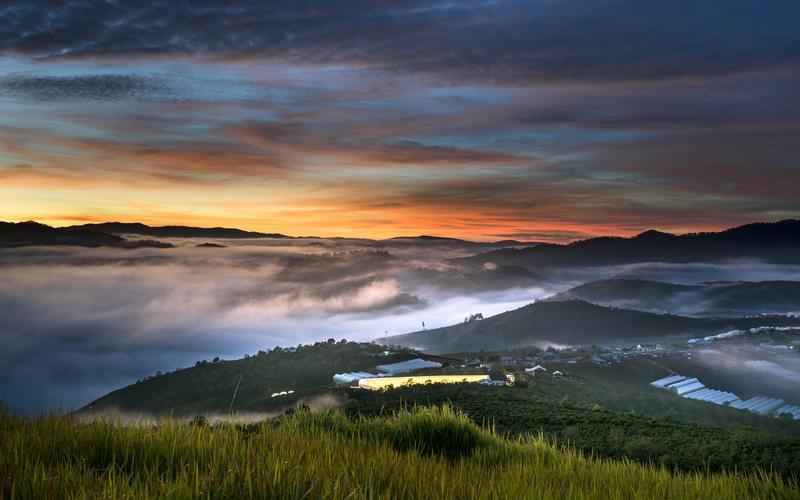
column 290, row 142
column 503, row 40
column 88, row 87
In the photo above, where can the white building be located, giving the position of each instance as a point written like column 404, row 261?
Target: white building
column 350, row 378
column 407, row 366
column 537, row 368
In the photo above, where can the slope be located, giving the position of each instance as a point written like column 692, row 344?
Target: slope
column 29, row 233
column 209, row 386
column 569, row 322
column 774, row 242
column 732, row 298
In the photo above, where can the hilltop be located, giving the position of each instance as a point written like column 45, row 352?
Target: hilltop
column 774, row 242
column 173, row 231
column 29, row 233
column 568, row 322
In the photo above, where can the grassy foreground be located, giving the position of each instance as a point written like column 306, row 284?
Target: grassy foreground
column 426, row 453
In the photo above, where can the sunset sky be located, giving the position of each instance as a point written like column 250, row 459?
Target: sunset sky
column 535, row 120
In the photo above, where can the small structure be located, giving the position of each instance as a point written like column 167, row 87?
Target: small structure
column 350, row 378
column 692, row 388
column 407, row 366
column 664, row 382
column 558, row 373
column 537, row 368
column 675, row 387
column 282, row 393
column 496, row 377
column 507, row 360
column 791, row 410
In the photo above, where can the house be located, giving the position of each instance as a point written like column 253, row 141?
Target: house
column 407, row 366
column 537, row 368
column 282, row 393
column 507, row 360
column 496, row 377
column 558, row 373
column 349, row 378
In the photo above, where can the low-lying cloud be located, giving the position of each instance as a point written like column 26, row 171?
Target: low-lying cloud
column 78, row 323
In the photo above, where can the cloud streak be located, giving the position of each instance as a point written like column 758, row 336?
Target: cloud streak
column 499, row 40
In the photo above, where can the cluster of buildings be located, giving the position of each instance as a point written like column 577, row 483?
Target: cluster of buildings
column 738, row 333
column 597, row 355
column 281, row 394
column 692, row 388
column 393, row 376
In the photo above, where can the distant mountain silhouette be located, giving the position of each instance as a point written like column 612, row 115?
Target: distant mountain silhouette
column 35, row 234
column 734, row 298
column 445, row 241
column 569, row 322
column 775, row 242
column 173, row 231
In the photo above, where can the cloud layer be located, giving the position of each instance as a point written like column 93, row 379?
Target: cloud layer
column 497, row 39
column 77, row 324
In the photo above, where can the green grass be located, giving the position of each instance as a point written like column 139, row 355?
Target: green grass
column 598, row 431
column 425, row 453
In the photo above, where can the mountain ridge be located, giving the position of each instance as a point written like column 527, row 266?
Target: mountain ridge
column 568, row 322
column 772, row 241
column 29, row 233
column 737, row 297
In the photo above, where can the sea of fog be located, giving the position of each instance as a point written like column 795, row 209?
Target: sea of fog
column 78, row 323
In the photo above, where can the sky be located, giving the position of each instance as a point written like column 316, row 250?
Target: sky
column 545, row 120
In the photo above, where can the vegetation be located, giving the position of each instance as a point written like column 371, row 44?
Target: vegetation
column 427, row 453
column 729, row 298
column 570, row 322
column 210, row 386
column 601, row 432
column 624, row 387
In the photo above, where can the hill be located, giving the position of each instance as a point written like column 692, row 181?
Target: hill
column 440, row 241
column 568, row 322
column 563, row 411
column 34, row 234
column 741, row 297
column 173, row 231
column 774, row 242
column 209, row 386
column 424, row 454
